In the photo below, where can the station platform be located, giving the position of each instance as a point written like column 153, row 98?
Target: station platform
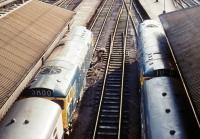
column 154, row 9
column 84, row 11
column 182, row 30
column 28, row 35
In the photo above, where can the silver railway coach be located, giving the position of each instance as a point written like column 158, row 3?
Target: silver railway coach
column 32, row 118
column 62, row 77
column 165, row 110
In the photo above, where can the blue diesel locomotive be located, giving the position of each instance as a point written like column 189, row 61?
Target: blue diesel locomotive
column 62, row 77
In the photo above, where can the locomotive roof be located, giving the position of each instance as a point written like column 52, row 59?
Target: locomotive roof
column 161, row 94
column 68, row 59
column 30, row 118
column 27, row 34
column 182, row 30
column 153, row 48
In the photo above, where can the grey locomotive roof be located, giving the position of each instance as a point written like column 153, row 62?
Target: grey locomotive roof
column 66, row 59
column 153, row 47
column 159, row 122
column 152, row 35
column 30, row 118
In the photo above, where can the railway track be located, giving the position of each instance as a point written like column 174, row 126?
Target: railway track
column 112, row 97
column 8, row 6
column 98, row 25
column 109, row 117
column 185, row 3
column 68, row 4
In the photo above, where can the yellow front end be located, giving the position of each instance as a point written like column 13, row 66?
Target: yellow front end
column 64, row 104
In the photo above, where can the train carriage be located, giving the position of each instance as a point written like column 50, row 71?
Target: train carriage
column 33, row 118
column 163, row 109
column 62, row 77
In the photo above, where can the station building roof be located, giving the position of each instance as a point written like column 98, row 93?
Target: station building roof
column 183, row 32
column 27, row 35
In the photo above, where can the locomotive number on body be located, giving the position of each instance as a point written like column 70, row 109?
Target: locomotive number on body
column 41, row 93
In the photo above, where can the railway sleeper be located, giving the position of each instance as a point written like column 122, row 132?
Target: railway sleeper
column 113, row 84
column 108, row 122
column 116, row 63
column 109, row 117
column 112, row 103
column 110, row 107
column 111, row 98
column 109, row 113
column 114, row 74
column 108, row 135
column 109, row 127
column 113, row 116
column 113, row 80
column 110, row 110
column 111, row 91
column 116, row 69
column 111, row 95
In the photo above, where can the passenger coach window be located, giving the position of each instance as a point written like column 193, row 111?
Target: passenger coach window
column 59, row 102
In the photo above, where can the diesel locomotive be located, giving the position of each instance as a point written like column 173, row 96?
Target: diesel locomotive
column 164, row 104
column 153, row 52
column 61, row 79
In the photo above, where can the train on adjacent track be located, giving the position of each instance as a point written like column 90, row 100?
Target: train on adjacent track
column 62, row 77
column 33, row 118
column 164, row 104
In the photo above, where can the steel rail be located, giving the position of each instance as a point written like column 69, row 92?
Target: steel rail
column 106, row 72
column 195, row 2
column 131, row 18
column 123, row 73
column 179, row 3
column 137, row 11
column 62, row 2
column 59, row 2
column 186, row 3
column 69, row 3
column 103, row 25
column 6, row 2
column 94, row 22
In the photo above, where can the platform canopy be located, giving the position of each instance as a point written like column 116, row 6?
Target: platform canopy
column 183, row 32
column 26, row 35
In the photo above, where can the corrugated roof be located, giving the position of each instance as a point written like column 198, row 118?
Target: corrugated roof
column 183, row 31
column 25, row 35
